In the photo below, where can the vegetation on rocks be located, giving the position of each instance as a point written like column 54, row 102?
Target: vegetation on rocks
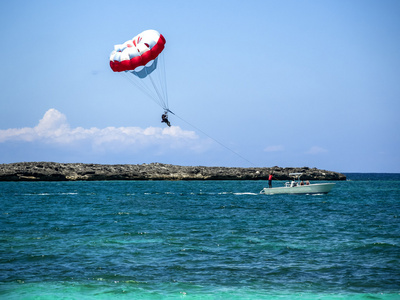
column 51, row 171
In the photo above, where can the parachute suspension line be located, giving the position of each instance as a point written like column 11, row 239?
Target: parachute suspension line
column 143, row 87
column 218, row 142
column 158, row 80
column 163, row 78
column 162, row 102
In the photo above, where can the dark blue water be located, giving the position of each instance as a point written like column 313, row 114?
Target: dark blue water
column 199, row 240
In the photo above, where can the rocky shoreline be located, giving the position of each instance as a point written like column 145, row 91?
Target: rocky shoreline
column 51, row 171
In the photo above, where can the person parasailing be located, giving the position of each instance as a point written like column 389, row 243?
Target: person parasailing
column 164, row 119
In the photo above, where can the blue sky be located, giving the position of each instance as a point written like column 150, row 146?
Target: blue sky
column 286, row 83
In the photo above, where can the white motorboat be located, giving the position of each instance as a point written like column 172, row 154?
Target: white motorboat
column 299, row 187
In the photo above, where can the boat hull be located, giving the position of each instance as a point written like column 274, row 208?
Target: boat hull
column 318, row 188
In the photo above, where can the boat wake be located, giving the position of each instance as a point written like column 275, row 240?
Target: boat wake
column 247, row 193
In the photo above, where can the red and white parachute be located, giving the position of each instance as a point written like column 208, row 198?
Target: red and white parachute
column 143, row 56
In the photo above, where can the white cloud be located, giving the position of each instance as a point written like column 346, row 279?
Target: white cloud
column 316, row 150
column 274, row 148
column 54, row 129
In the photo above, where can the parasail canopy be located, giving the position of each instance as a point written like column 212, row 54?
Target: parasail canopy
column 141, row 56
column 137, row 52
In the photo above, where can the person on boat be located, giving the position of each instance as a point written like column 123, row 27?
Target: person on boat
column 301, row 182
column 270, row 180
column 164, row 119
column 307, row 182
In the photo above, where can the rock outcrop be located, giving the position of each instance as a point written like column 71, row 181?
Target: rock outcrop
column 50, row 171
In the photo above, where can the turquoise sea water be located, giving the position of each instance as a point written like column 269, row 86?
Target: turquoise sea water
column 199, row 240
